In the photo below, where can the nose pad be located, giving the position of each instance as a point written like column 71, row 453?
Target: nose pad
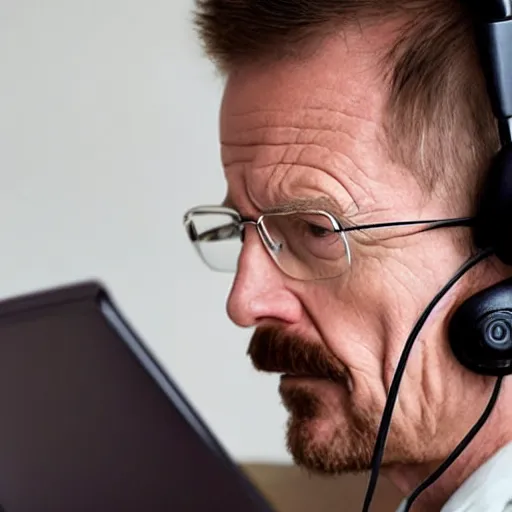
column 271, row 245
column 276, row 248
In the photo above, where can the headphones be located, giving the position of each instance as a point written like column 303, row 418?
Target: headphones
column 480, row 331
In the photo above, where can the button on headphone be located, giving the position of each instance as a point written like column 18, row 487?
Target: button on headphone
column 497, row 330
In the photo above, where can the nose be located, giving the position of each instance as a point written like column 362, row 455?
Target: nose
column 259, row 292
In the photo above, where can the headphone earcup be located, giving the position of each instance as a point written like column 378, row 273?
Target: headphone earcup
column 480, row 331
column 495, row 208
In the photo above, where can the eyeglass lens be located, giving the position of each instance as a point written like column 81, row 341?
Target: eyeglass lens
column 304, row 245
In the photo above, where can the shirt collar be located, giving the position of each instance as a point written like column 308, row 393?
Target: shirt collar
column 488, row 489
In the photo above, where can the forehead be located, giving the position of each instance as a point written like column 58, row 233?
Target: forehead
column 343, row 74
column 304, row 127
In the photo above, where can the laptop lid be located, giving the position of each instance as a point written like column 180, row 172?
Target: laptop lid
column 89, row 421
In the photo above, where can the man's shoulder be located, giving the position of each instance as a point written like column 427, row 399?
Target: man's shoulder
column 488, row 489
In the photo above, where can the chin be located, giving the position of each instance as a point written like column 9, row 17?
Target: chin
column 326, row 434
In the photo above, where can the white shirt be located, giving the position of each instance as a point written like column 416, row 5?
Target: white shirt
column 488, row 489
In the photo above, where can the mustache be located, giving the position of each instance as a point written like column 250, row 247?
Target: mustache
column 273, row 350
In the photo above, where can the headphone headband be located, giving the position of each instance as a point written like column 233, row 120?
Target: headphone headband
column 490, row 10
column 493, row 10
column 493, row 32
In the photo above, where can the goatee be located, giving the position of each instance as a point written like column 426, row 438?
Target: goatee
column 316, row 440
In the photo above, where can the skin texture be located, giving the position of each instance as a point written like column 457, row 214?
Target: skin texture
column 313, row 128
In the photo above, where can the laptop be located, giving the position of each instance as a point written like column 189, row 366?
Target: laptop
column 90, row 422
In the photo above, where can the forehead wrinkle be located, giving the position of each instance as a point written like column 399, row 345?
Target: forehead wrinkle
column 269, row 127
column 281, row 149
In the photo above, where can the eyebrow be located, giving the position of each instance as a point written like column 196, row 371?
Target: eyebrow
column 322, row 203
column 304, row 204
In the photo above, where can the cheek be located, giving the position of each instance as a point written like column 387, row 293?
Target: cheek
column 349, row 318
column 389, row 295
column 364, row 318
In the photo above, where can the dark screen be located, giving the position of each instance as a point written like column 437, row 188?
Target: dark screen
column 85, row 427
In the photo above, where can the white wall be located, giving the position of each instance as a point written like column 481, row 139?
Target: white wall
column 108, row 133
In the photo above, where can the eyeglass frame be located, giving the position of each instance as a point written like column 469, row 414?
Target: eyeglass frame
column 337, row 225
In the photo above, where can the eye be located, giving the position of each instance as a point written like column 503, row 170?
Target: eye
column 315, row 234
column 313, row 226
column 317, row 231
column 305, row 237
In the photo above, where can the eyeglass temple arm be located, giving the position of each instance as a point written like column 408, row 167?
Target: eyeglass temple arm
column 463, row 221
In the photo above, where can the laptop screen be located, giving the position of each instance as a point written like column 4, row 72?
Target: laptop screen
column 88, row 422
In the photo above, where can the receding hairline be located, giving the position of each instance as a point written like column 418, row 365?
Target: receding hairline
column 307, row 40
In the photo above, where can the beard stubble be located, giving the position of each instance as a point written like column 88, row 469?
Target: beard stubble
column 345, row 441
column 320, row 438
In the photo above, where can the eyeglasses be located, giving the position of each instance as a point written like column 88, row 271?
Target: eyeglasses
column 305, row 245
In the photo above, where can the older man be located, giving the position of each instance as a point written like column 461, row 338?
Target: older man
column 348, row 128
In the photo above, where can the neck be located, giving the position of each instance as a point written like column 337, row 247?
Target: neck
column 496, row 433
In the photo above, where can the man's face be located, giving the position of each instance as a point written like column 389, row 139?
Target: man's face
column 310, row 129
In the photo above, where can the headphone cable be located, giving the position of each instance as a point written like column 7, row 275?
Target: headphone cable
column 385, row 423
column 459, row 449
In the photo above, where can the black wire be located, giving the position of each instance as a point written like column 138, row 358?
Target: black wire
column 435, row 224
column 460, row 447
column 395, row 384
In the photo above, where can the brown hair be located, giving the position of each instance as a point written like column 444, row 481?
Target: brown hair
column 439, row 120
